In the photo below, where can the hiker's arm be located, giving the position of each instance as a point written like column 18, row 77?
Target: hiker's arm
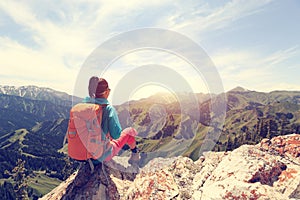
column 114, row 126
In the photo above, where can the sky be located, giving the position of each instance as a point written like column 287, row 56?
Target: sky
column 254, row 44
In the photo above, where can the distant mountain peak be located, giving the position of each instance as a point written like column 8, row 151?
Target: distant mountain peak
column 26, row 90
column 38, row 93
column 238, row 89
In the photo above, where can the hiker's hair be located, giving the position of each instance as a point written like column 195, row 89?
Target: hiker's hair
column 97, row 87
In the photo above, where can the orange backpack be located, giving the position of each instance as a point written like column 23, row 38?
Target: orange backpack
column 84, row 134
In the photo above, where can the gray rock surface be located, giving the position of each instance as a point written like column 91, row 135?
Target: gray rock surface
column 269, row 170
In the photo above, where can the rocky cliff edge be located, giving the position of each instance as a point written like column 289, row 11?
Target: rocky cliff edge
column 269, row 170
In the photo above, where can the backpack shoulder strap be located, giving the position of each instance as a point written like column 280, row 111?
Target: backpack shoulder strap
column 91, row 165
column 65, row 138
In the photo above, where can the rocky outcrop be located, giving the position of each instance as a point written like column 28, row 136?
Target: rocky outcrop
column 269, row 170
column 108, row 181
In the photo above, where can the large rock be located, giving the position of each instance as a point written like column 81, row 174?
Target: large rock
column 269, row 170
column 108, row 181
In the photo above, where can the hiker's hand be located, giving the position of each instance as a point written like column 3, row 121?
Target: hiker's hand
column 130, row 131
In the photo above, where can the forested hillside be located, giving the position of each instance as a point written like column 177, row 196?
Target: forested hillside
column 32, row 126
column 250, row 117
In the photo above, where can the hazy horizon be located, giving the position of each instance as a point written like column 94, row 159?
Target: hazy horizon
column 143, row 96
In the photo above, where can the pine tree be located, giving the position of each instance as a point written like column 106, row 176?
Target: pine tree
column 67, row 170
column 7, row 191
column 236, row 142
column 229, row 144
column 19, row 176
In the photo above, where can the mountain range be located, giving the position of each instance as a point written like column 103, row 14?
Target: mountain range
column 250, row 117
column 34, row 120
column 39, row 93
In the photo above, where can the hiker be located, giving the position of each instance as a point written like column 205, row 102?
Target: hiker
column 98, row 94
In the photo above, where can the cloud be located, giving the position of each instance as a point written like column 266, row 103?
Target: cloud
column 55, row 56
column 254, row 69
column 281, row 56
column 203, row 18
column 21, row 65
column 63, row 33
column 66, row 34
